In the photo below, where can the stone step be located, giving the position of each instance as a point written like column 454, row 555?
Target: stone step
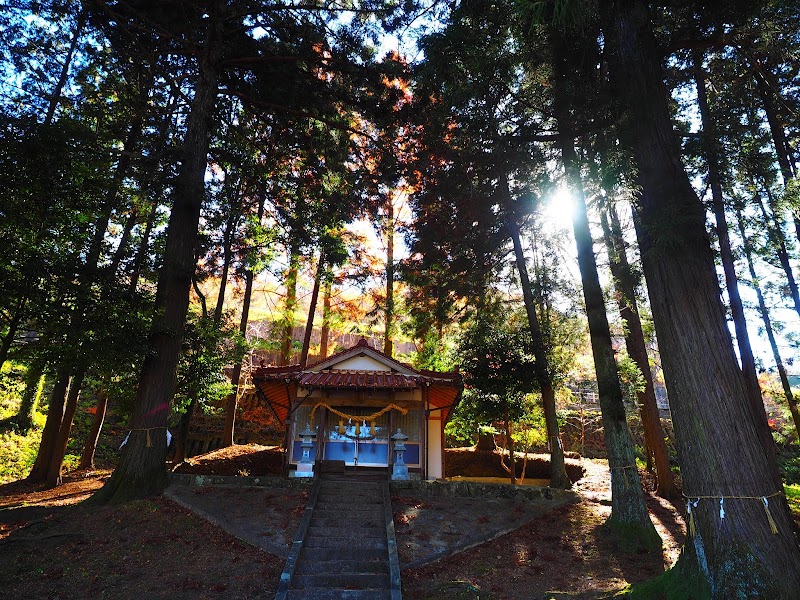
column 348, row 581
column 342, row 521
column 329, row 594
column 317, row 567
column 348, row 507
column 347, row 517
column 351, row 485
column 346, row 547
column 343, row 498
column 328, row 554
column 351, row 535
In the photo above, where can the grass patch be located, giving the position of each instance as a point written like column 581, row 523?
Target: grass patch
column 793, row 497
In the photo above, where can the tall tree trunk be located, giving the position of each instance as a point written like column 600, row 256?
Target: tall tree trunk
column 628, row 509
column 627, row 497
column 183, row 431
column 227, row 256
column 726, row 254
column 55, row 97
column 762, row 308
column 141, row 472
column 558, row 472
column 768, row 90
column 766, row 86
column 124, row 238
column 721, row 455
column 55, row 414
column 312, row 310
column 326, row 317
column 775, row 232
column 290, row 305
column 34, row 384
column 512, row 470
column 388, row 332
column 233, row 399
column 54, row 470
column 90, row 447
column 141, row 254
column 625, row 283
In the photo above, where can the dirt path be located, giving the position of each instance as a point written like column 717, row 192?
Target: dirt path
column 563, row 554
column 53, row 546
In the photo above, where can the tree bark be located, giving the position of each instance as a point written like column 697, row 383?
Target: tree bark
column 326, row 318
column 34, row 384
column 55, row 415
column 54, row 470
column 762, row 308
column 141, row 472
column 87, row 457
column 290, row 304
column 312, row 309
column 721, row 455
column 558, row 472
column 625, row 284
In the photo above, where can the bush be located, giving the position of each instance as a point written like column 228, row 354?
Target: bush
column 17, row 453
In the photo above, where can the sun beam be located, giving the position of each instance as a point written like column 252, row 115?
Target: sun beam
column 560, row 208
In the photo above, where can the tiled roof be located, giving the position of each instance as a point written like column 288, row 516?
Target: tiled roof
column 385, row 380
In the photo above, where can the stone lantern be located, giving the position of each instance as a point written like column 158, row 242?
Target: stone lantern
column 305, row 468
column 400, row 470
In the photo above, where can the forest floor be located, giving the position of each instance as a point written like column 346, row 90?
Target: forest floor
column 54, row 546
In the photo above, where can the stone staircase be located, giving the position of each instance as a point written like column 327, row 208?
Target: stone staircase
column 345, row 547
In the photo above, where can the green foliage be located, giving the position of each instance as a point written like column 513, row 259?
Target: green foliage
column 17, row 451
column 460, row 430
column 12, row 384
column 436, row 354
column 530, row 431
column 207, row 348
column 630, row 378
column 497, row 364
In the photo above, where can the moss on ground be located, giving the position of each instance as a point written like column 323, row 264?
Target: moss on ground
column 632, row 539
column 676, row 583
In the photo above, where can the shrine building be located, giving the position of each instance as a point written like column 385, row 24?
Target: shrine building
column 355, row 401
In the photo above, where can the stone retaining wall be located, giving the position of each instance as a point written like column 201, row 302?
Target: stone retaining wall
column 238, row 481
column 476, row 489
column 456, row 489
